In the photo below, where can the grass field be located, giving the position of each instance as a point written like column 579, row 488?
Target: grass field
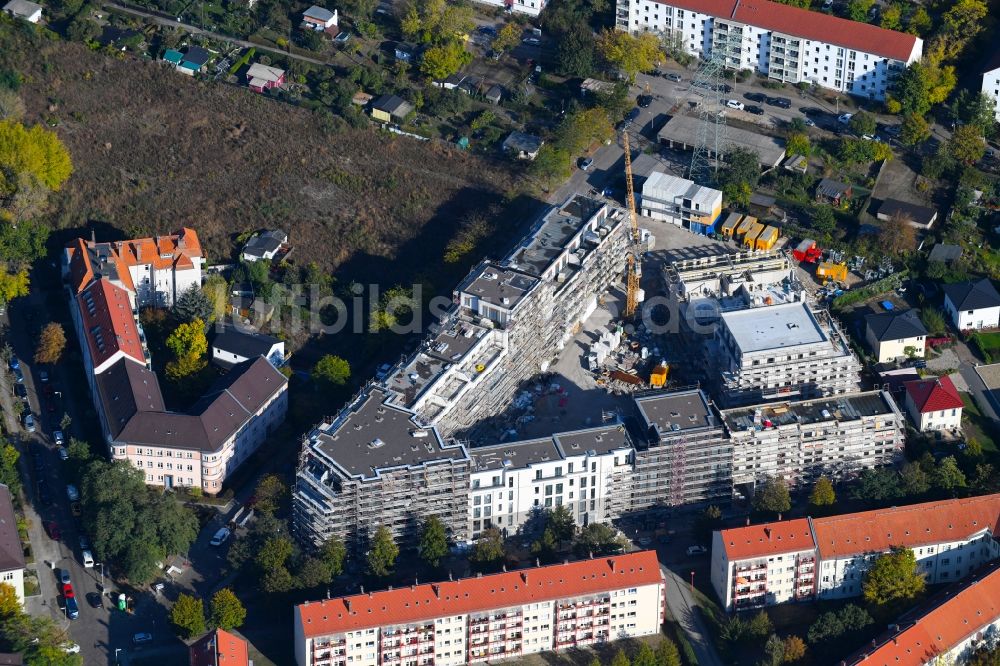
column 975, row 425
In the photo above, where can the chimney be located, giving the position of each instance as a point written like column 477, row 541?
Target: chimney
column 437, row 590
column 450, row 577
column 611, row 563
column 138, row 252
column 779, row 517
column 538, row 562
column 748, row 521
column 363, row 589
column 479, row 574
column 347, row 602
column 524, row 577
column 767, row 532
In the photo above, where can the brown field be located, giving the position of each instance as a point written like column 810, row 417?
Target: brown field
column 154, row 150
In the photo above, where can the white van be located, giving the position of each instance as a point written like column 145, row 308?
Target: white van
column 220, row 537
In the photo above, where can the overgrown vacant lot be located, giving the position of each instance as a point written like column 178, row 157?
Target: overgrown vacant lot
column 155, row 150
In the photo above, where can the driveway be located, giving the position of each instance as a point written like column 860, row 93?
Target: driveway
column 683, row 608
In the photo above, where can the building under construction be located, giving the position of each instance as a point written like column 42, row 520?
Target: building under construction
column 747, row 273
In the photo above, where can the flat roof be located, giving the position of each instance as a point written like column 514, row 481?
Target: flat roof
column 845, row 407
column 676, row 411
column 597, row 440
column 773, row 327
column 370, row 435
column 503, row 287
column 557, row 228
column 589, row 441
column 454, row 340
column 667, row 187
column 684, row 129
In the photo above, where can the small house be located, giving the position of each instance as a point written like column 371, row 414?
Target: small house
column 452, row 82
column 594, row 87
column 946, row 254
column 232, row 347
column 119, row 38
column 173, row 57
column 972, row 305
column 934, row 404
column 361, row 99
column 263, row 77
column 219, row 648
column 523, row 146
column 24, row 10
column 762, row 205
column 893, row 335
column 918, row 216
column 405, row 52
column 320, row 20
column 391, row 108
column 193, row 60
column 264, row 245
column 494, row 94
column 833, row 192
column 796, row 164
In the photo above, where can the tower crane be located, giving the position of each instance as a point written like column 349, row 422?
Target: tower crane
column 632, row 262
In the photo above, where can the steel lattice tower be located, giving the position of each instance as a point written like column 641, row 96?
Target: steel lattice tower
column 708, row 82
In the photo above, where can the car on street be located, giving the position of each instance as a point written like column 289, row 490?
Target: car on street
column 696, row 550
column 780, row 102
column 676, row 78
column 845, row 118
column 631, row 116
column 644, row 101
column 871, row 137
column 64, row 578
column 142, row 637
column 13, row 363
column 735, row 104
column 63, row 454
column 43, row 375
column 21, row 391
column 586, row 163
column 531, row 41
column 18, row 374
column 72, row 493
column 67, row 591
column 809, row 122
column 87, row 559
column 29, row 422
column 74, row 507
column 220, row 537
column 52, row 529
column 94, row 599
column 811, row 111
column 72, row 608
column 57, row 437
column 754, row 97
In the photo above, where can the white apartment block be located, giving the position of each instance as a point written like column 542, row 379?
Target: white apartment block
column 799, row 441
column 680, row 201
column 826, row 558
column 991, row 83
column 782, row 351
column 12, row 562
column 784, row 43
column 526, row 7
column 587, row 471
column 486, row 618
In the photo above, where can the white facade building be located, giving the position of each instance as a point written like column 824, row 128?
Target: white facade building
column 991, row 83
column 972, row 305
column 680, row 201
column 527, row 7
column 11, row 551
column 934, row 404
column 22, row 9
column 785, row 43
column 487, row 618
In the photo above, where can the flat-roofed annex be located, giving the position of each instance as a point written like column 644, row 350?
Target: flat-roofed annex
column 372, row 436
column 499, row 286
column 773, row 327
column 675, row 412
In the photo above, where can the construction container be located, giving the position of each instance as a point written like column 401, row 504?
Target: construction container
column 750, row 237
column 832, row 271
column 658, row 377
column 728, row 228
column 806, row 251
column 767, row 238
column 744, row 227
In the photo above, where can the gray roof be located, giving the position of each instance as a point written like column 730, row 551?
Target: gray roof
column 597, row 440
column 972, row 295
column 832, row 189
column 196, row 55
column 773, row 327
column 269, row 241
column 945, row 253
column 11, row 554
column 675, row 411
column 548, row 240
column 21, row 7
column 590, row 441
column 920, row 214
column 847, row 407
column 684, row 129
column 503, row 287
column 125, row 389
column 895, row 325
column 393, row 105
column 370, row 436
column 318, row 13
column 247, row 345
column 521, row 142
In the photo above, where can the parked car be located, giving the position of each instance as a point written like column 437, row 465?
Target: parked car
column 84, row 542
column 67, row 591
column 72, row 609
column 676, row 78
column 632, row 115
column 52, row 529
column 71, row 648
column 18, row 374
column 64, row 578
column 220, row 537
column 754, row 97
column 21, row 391
column 780, row 102
column 72, row 493
column 586, row 163
column 531, row 41
column 94, row 599
column 735, row 104
column 696, row 550
column 29, row 422
column 43, row 375
column 644, row 101
column 142, row 637
column 63, row 453
column 87, row 559
column 57, row 437
column 13, row 363
column 845, row 118
column 811, row 111
column 74, row 508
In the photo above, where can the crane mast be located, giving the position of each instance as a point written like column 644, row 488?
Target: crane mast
column 632, row 267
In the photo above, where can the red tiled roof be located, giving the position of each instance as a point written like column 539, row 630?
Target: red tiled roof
column 470, row 595
column 934, row 395
column 219, row 648
column 82, row 270
column 814, row 26
column 909, row 526
column 743, row 543
column 973, row 607
column 108, row 322
column 175, row 250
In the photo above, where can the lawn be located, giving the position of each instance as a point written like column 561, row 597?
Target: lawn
column 977, row 426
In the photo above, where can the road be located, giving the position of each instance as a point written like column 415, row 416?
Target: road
column 683, row 608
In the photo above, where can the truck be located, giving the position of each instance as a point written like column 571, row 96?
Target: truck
column 807, row 252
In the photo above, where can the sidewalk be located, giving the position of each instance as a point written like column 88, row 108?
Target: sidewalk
column 683, row 608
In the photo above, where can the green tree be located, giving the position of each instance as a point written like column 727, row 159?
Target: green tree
column 737, row 194
column 13, row 284
column 760, row 627
column 948, row 476
column 772, row 497
column 598, row 539
column 440, row 62
column 914, row 129
column 822, row 493
column 227, row 611
column 51, row 343
column 892, row 17
column 507, row 38
column 35, row 151
column 562, row 524
column 919, row 23
column 629, row 54
column 706, row 522
column 189, row 345
column 193, row 305
column 857, row 10
column 774, row 651
column 545, row 546
column 277, row 581
column 966, row 144
column 914, row 479
column 79, row 451
column 798, row 144
column 921, row 85
column 488, row 551
column 621, row 659
column 433, row 541
column 742, row 166
column 551, row 165
column 581, row 130
column 274, row 553
column 188, row 615
column 576, row 53
column 667, row 653
column 645, row 656
column 332, row 554
column 332, row 370
column 383, row 553
column 862, row 123
column 973, row 108
column 216, row 291
column 876, row 485
column 312, row 572
column 269, row 493
column 827, row 627
column 934, row 320
column 893, row 577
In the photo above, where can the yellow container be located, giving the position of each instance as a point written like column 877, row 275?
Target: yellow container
column 728, row 227
column 744, row 227
column 767, row 238
column 658, row 377
column 750, row 238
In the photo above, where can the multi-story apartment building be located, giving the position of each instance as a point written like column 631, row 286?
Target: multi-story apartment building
column 684, row 454
column 782, row 351
column 991, row 82
column 826, row 558
column 799, row 441
column 486, row 618
column 527, row 7
column 12, row 562
column 952, row 626
column 587, row 471
column 376, row 465
column 749, row 274
column 155, row 271
column 785, row 43
column 680, row 201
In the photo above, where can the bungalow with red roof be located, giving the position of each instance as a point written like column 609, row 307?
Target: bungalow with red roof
column 219, row 648
column 934, row 404
column 487, row 618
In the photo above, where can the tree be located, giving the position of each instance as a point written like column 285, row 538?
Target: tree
column 545, row 546
column 760, row 626
column 188, row 344
column 216, row 291
column 188, row 615
column 742, row 166
column 898, row 236
column 440, row 62
column 598, row 539
column 629, row 54
column 552, row 164
column 933, row 319
column 921, row 85
column 51, row 344
column 667, row 653
column 706, row 522
column 621, row 659
column 193, row 305
column 798, row 144
column 966, row 144
column 876, row 485
column 948, row 476
column 863, row 123
column 508, row 38
column 270, row 491
column 973, row 108
column 920, row 22
column 774, row 651
column 433, row 541
column 332, row 554
column 277, row 581
column 827, row 627
column 274, row 553
column 13, row 284
column 489, row 550
column 914, row 480
column 562, row 524
column 227, row 611
column 892, row 17
column 581, row 130
column 822, row 493
column 35, row 151
column 893, row 577
column 79, row 451
column 383, row 553
column 737, row 194
column 645, row 656
column 773, row 497
column 575, row 53
column 11, row 105
column 795, row 649
column 332, row 371
column 914, row 129
column 857, row 10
